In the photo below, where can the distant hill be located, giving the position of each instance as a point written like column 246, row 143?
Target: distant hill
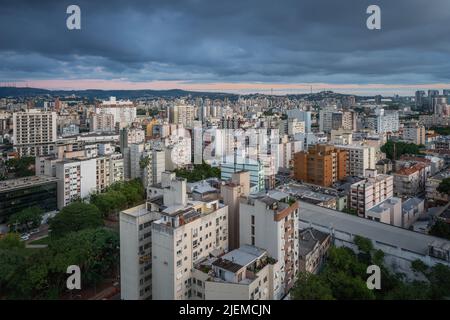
column 104, row 94
column 15, row 92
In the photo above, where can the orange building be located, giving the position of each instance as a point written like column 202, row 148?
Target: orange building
column 322, row 165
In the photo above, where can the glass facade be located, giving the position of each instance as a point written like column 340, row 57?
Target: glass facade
column 14, row 200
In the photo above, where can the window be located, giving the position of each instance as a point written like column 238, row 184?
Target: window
column 253, row 240
column 253, row 219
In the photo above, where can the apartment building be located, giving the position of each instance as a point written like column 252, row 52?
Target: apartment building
column 359, row 159
column 367, row 193
column 331, row 119
column 123, row 111
column 130, row 136
column 271, row 222
column 79, row 176
column 254, row 167
column 321, row 164
column 388, row 211
column 238, row 186
column 34, row 132
column 383, row 121
column 187, row 232
column 76, row 180
column 431, row 185
column 136, row 252
column 414, row 132
column 109, row 169
column 182, row 114
column 246, row 273
column 314, row 246
column 103, row 122
column 410, row 181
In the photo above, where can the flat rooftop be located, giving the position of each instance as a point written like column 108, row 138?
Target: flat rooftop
column 380, row 232
column 244, row 255
column 25, row 182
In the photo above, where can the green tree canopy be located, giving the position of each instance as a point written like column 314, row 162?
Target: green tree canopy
column 75, row 217
column 440, row 229
column 26, row 219
column 400, row 149
column 444, row 186
column 311, row 287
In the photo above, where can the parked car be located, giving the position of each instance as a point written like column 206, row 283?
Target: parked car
column 25, row 237
column 34, row 231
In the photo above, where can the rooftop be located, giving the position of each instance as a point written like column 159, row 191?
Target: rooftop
column 380, row 232
column 25, row 182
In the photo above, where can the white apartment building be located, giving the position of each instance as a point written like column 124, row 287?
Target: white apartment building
column 132, row 156
column 246, row 273
column 78, row 177
column 389, row 211
column 103, row 122
column 367, row 193
column 131, row 136
column 34, row 132
column 414, row 133
column 124, row 112
column 295, row 126
column 76, row 180
column 187, row 232
column 182, row 114
column 386, row 121
column 271, row 222
column 136, row 253
column 359, row 159
column 341, row 137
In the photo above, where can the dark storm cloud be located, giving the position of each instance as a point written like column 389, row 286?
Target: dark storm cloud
column 268, row 41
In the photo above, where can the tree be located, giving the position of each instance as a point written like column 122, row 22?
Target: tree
column 95, row 251
column 364, row 244
column 311, row 287
column 439, row 277
column 22, row 167
column 199, row 172
column 419, row 266
column 440, row 229
column 444, row 186
column 11, row 241
column 26, row 219
column 400, row 149
column 75, row 217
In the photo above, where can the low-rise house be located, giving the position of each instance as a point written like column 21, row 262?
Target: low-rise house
column 313, row 247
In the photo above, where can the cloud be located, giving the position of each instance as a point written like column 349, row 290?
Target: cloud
column 257, row 41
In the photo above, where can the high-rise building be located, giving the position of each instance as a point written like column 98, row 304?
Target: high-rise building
column 136, row 252
column 359, row 159
column 187, row 232
column 238, row 186
column 419, row 99
column 321, row 164
column 367, row 193
column 34, row 132
column 124, row 112
column 414, row 132
column 103, row 122
column 271, row 222
column 77, row 179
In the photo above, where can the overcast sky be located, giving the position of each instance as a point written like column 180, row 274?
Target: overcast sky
column 232, row 45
